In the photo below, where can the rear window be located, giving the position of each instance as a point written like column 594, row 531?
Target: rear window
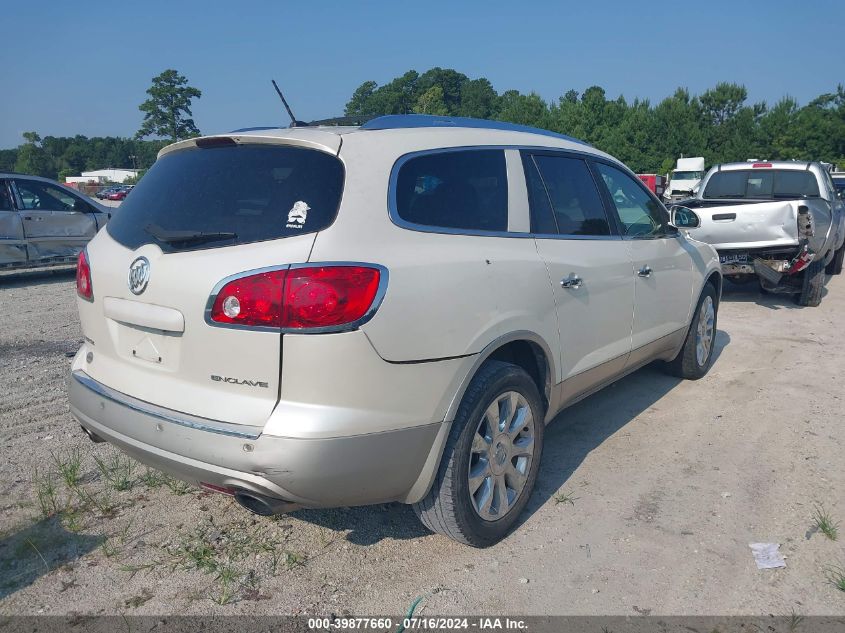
column 458, row 190
column 762, row 183
column 234, row 194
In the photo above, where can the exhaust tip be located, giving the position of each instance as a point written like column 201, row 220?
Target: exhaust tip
column 263, row 506
column 254, row 504
column 92, row 436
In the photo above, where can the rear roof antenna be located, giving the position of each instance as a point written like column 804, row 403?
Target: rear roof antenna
column 293, row 121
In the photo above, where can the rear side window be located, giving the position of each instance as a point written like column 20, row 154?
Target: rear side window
column 571, row 195
column 465, row 190
column 234, row 194
column 762, row 184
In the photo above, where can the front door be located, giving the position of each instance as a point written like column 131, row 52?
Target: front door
column 662, row 263
column 56, row 222
column 589, row 267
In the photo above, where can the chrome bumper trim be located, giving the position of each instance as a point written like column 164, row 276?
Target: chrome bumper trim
column 200, row 424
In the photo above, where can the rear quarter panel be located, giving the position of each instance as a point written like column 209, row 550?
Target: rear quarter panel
column 449, row 295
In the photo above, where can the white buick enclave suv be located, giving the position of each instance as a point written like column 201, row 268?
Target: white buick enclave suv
column 317, row 316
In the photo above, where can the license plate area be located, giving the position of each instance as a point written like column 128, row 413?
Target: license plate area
column 147, row 346
column 734, row 258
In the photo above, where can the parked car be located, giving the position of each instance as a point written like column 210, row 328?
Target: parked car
column 781, row 222
column 119, row 193
column 317, row 317
column 104, row 193
column 43, row 222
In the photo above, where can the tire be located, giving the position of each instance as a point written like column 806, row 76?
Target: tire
column 693, row 362
column 812, row 285
column 451, row 507
column 834, row 266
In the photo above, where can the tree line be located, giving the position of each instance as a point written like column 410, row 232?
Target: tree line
column 719, row 124
column 167, row 115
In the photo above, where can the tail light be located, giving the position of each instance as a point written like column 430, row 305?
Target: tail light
column 307, row 298
column 84, row 287
column 254, row 300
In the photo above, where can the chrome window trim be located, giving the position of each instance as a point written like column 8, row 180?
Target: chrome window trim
column 612, row 225
column 393, row 212
column 196, row 423
column 384, row 277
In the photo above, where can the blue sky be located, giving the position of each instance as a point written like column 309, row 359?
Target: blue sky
column 82, row 68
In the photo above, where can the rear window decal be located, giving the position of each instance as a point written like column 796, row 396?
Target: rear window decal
column 297, row 215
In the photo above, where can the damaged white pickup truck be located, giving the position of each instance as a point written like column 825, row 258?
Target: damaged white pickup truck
column 779, row 222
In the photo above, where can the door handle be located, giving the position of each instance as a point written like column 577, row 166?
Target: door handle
column 645, row 271
column 573, row 282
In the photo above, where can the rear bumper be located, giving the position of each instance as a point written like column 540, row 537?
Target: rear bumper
column 324, row 472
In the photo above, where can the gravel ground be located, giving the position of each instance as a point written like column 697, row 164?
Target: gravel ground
column 649, row 495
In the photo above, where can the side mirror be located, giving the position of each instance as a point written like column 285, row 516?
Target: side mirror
column 683, row 217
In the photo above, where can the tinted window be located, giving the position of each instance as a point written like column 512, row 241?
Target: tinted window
column 640, row 214
column 39, row 195
column 232, row 195
column 542, row 215
column 762, row 183
column 574, row 199
column 458, row 190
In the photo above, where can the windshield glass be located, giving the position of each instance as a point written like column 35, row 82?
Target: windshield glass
column 234, row 194
column 762, row 184
column 687, row 175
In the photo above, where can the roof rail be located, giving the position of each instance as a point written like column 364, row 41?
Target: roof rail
column 400, row 121
column 256, row 129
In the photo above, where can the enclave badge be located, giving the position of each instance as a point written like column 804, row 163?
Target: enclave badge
column 139, row 275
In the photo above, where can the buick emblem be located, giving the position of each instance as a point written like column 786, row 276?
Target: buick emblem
column 139, row 275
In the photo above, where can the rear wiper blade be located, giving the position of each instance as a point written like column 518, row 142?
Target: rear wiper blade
column 170, row 236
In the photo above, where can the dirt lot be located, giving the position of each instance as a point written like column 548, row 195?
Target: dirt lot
column 649, row 495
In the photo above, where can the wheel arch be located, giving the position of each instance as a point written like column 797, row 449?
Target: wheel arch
column 715, row 280
column 523, row 348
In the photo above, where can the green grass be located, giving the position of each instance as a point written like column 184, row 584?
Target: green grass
column 226, row 579
column 237, row 554
column 102, row 503
column 69, row 465
column 795, row 620
column 152, row 478
column 136, row 601
column 565, row 497
column 177, row 486
column 294, row 560
column 117, row 471
column 825, row 524
column 47, row 494
column 836, row 576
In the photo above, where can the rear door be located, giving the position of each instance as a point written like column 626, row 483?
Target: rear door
column 589, row 266
column 12, row 242
column 662, row 262
column 248, row 207
column 56, row 223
